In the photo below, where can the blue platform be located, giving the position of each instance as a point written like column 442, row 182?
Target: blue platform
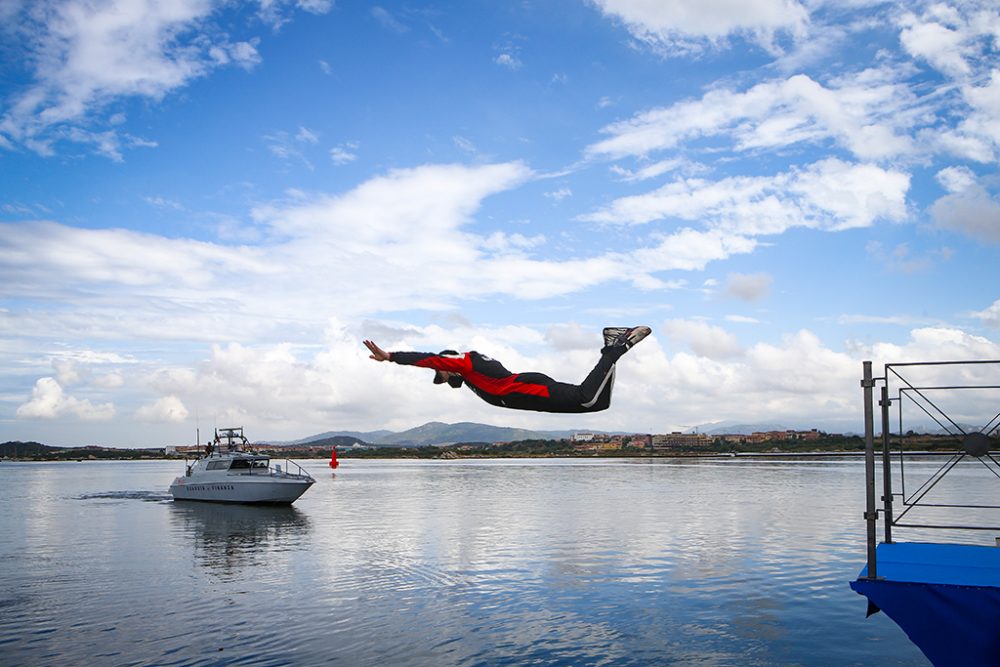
column 946, row 597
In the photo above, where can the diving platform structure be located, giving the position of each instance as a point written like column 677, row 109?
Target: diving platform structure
column 943, row 588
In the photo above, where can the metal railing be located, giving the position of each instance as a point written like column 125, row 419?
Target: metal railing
column 301, row 471
column 929, row 387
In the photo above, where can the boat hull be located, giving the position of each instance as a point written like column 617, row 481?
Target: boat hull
column 249, row 490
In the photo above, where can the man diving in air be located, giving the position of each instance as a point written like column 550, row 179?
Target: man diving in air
column 524, row 391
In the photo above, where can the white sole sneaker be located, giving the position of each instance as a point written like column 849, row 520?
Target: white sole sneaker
column 611, row 334
column 632, row 336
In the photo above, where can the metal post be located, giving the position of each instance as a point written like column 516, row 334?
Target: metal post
column 870, row 513
column 886, row 471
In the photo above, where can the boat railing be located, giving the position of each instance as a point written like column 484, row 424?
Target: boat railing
column 287, row 470
column 272, row 469
column 960, row 400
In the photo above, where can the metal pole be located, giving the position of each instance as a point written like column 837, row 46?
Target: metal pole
column 870, row 513
column 886, row 471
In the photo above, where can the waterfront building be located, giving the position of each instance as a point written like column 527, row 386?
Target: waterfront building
column 678, row 440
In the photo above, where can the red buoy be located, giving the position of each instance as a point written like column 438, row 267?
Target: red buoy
column 333, row 459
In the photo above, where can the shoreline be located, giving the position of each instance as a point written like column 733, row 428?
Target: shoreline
column 410, row 456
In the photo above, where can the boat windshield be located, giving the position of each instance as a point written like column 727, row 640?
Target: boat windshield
column 247, row 464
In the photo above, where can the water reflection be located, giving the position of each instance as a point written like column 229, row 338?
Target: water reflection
column 230, row 538
column 445, row 563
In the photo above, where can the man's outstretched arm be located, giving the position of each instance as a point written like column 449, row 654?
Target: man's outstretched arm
column 455, row 364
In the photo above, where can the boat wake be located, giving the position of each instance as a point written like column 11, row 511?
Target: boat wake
column 146, row 496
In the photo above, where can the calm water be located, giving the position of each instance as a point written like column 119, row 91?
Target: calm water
column 549, row 562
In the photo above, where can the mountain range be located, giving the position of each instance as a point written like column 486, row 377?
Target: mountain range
column 431, row 433
column 733, row 428
column 440, row 433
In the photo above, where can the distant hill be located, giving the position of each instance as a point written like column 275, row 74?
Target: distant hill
column 730, row 428
column 36, row 450
column 360, row 436
column 432, row 433
column 16, row 449
column 329, row 441
column 438, row 433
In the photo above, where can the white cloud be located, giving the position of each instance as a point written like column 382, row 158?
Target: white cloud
column 749, row 286
column 991, row 315
column 704, row 339
column 940, row 45
column 895, row 320
column 868, row 114
column 937, row 344
column 242, row 54
column 568, row 337
column 798, row 381
column 90, row 53
column 560, row 194
column 112, row 380
column 969, row 209
column 388, row 21
column 686, row 25
column 306, row 135
column 646, row 172
column 308, row 268
column 508, row 60
column 959, row 41
column 281, row 391
column 406, row 205
column 43, row 257
column 344, row 153
column 315, row 6
column 66, row 372
column 949, row 38
column 416, row 249
column 167, row 409
column 801, row 364
column 712, row 176
column 49, row 401
column 275, row 386
column 464, row 144
column 978, row 135
column 163, row 202
column 285, row 146
column 275, row 12
column 501, row 243
column 690, row 250
column 831, row 195
column 934, row 344
column 85, row 56
column 742, row 319
column 956, row 179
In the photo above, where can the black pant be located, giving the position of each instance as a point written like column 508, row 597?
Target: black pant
column 591, row 395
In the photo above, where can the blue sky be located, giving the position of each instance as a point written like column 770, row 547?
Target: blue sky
column 206, row 206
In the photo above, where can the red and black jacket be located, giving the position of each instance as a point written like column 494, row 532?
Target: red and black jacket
column 487, row 377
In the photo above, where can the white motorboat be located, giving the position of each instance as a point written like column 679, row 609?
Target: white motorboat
column 230, row 472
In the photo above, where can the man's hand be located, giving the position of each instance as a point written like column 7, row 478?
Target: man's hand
column 377, row 353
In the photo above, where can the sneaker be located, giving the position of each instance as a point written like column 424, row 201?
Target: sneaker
column 631, row 336
column 611, row 334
